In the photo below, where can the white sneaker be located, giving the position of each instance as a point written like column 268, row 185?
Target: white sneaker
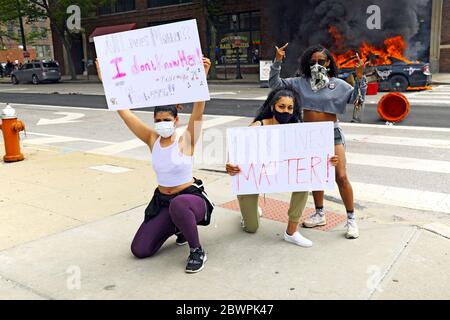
column 315, row 220
column 298, row 239
column 352, row 229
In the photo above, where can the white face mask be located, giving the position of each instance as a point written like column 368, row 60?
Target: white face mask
column 319, row 77
column 165, row 128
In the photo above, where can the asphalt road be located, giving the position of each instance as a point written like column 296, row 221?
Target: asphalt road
column 421, row 115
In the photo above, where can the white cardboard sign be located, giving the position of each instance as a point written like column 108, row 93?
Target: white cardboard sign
column 152, row 66
column 282, row 158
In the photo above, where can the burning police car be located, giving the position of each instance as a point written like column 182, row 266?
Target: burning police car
column 387, row 65
column 398, row 76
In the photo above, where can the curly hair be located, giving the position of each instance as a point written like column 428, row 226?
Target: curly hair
column 265, row 111
column 305, row 67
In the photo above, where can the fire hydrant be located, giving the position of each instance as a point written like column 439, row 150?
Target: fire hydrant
column 11, row 128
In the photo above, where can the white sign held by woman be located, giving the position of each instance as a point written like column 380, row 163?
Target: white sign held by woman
column 282, row 158
column 152, row 66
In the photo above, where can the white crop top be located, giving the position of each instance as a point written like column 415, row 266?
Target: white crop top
column 172, row 168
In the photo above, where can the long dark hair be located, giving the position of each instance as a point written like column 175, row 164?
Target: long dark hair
column 265, row 111
column 172, row 109
column 305, row 68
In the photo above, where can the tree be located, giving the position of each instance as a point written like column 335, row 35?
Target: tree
column 30, row 38
column 55, row 11
column 212, row 9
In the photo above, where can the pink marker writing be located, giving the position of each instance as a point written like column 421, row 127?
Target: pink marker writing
column 119, row 74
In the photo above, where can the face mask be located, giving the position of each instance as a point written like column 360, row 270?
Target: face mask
column 165, row 128
column 282, row 117
column 319, row 77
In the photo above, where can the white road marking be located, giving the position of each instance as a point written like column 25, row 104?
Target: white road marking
column 119, row 147
column 14, row 89
column 399, row 162
column 63, row 137
column 69, row 117
column 220, row 93
column 110, row 169
column 95, row 109
column 136, row 143
column 395, row 127
column 400, row 197
column 41, row 141
column 401, row 141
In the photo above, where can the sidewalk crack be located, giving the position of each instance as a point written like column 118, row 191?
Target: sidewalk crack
column 26, row 288
column 412, row 236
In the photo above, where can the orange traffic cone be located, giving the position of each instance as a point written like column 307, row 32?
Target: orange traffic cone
column 393, row 107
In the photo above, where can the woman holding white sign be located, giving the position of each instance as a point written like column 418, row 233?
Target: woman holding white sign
column 281, row 107
column 323, row 96
column 179, row 202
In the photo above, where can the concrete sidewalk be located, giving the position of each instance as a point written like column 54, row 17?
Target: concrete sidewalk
column 67, row 227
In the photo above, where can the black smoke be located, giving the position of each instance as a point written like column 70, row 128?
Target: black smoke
column 305, row 22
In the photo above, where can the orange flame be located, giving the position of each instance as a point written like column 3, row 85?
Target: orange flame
column 394, row 48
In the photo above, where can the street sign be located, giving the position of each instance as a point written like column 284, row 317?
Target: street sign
column 26, row 54
column 264, row 70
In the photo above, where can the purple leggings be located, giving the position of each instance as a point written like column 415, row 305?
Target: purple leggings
column 184, row 212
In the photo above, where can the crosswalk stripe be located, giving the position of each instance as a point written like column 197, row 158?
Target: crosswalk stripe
column 400, row 197
column 40, row 141
column 399, row 162
column 401, row 141
column 396, row 127
column 136, row 143
column 119, row 147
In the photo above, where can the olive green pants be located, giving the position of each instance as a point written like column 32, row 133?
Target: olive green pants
column 249, row 209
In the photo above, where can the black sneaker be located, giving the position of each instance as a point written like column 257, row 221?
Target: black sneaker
column 181, row 240
column 196, row 260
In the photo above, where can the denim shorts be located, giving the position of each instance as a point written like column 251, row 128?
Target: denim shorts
column 339, row 138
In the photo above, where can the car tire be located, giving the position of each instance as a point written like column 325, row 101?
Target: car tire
column 14, row 80
column 399, row 83
column 35, row 79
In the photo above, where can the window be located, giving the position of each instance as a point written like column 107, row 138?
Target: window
column 158, row 23
column 44, row 33
column 163, row 3
column 10, row 30
column 117, row 6
column 37, row 66
column 50, row 65
column 243, row 28
column 43, row 51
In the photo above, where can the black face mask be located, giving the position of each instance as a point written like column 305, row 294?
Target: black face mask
column 282, row 117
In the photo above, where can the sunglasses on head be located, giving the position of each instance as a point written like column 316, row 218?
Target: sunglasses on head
column 322, row 62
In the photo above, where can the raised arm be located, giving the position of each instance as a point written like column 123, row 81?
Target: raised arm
column 136, row 125
column 196, row 119
column 360, row 89
column 275, row 81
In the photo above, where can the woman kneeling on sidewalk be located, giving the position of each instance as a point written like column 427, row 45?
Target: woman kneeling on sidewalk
column 179, row 202
column 281, row 107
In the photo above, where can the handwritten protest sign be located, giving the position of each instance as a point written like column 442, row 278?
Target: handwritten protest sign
column 282, row 158
column 153, row 66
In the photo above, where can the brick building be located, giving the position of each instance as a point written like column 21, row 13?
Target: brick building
column 39, row 47
column 241, row 18
column 445, row 38
column 248, row 19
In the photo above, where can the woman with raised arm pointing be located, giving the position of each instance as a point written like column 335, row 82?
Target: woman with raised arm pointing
column 179, row 202
column 323, row 96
